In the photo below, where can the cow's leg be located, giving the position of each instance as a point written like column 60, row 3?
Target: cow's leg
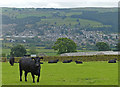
column 38, row 78
column 26, row 76
column 38, row 75
column 33, row 77
column 20, row 74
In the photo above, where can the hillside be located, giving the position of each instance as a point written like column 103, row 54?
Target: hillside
column 91, row 18
column 50, row 24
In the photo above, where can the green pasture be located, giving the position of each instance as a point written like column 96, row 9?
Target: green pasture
column 88, row 73
column 48, row 52
column 67, row 21
column 36, row 14
column 6, row 51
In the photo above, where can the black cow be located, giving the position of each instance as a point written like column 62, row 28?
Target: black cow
column 30, row 65
column 53, row 61
column 26, row 55
column 67, row 61
column 11, row 61
column 112, row 61
column 41, row 62
column 78, row 62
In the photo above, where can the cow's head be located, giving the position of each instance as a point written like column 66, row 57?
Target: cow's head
column 37, row 61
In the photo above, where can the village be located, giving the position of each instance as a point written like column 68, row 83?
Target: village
column 88, row 37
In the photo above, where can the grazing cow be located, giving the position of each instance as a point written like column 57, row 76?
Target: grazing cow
column 67, row 61
column 11, row 61
column 53, row 61
column 26, row 55
column 30, row 65
column 41, row 62
column 112, row 61
column 78, row 62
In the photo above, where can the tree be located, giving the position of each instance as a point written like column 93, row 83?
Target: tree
column 102, row 46
column 18, row 51
column 118, row 47
column 65, row 45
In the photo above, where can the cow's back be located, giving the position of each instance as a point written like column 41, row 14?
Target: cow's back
column 26, row 64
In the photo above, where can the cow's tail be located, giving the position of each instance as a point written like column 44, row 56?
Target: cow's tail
column 11, row 61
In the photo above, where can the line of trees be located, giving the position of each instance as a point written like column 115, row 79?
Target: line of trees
column 62, row 45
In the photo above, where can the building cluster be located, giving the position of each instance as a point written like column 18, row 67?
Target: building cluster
column 82, row 37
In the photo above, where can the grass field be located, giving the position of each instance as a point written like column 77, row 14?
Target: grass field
column 48, row 52
column 88, row 73
column 73, row 21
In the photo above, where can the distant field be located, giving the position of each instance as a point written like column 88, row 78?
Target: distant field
column 59, row 21
column 88, row 73
column 6, row 51
column 48, row 52
column 73, row 21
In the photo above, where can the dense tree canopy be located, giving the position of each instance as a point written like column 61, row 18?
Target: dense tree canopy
column 18, row 51
column 102, row 46
column 64, row 45
column 118, row 47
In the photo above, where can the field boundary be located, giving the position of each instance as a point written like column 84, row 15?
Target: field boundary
column 74, row 58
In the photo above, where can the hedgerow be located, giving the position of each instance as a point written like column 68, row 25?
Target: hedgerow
column 74, row 58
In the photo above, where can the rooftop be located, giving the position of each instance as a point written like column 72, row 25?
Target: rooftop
column 91, row 53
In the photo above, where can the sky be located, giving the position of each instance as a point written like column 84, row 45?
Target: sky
column 58, row 3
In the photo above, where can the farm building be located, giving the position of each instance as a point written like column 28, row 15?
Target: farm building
column 91, row 53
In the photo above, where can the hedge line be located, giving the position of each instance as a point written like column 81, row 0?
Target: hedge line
column 81, row 58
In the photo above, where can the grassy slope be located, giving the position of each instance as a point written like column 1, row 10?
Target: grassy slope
column 73, row 21
column 26, row 13
column 89, row 73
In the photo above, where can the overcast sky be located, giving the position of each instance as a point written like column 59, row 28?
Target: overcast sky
column 58, row 3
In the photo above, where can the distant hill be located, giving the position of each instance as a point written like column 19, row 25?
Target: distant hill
column 85, row 26
column 104, row 19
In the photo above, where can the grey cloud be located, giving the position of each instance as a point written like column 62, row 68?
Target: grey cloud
column 63, row 4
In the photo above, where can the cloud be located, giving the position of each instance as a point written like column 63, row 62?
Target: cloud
column 53, row 5
column 58, row 3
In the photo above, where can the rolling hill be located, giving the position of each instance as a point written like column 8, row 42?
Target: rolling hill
column 85, row 26
column 83, row 18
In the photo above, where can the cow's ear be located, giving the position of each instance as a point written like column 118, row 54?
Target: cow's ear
column 41, row 57
column 33, row 58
